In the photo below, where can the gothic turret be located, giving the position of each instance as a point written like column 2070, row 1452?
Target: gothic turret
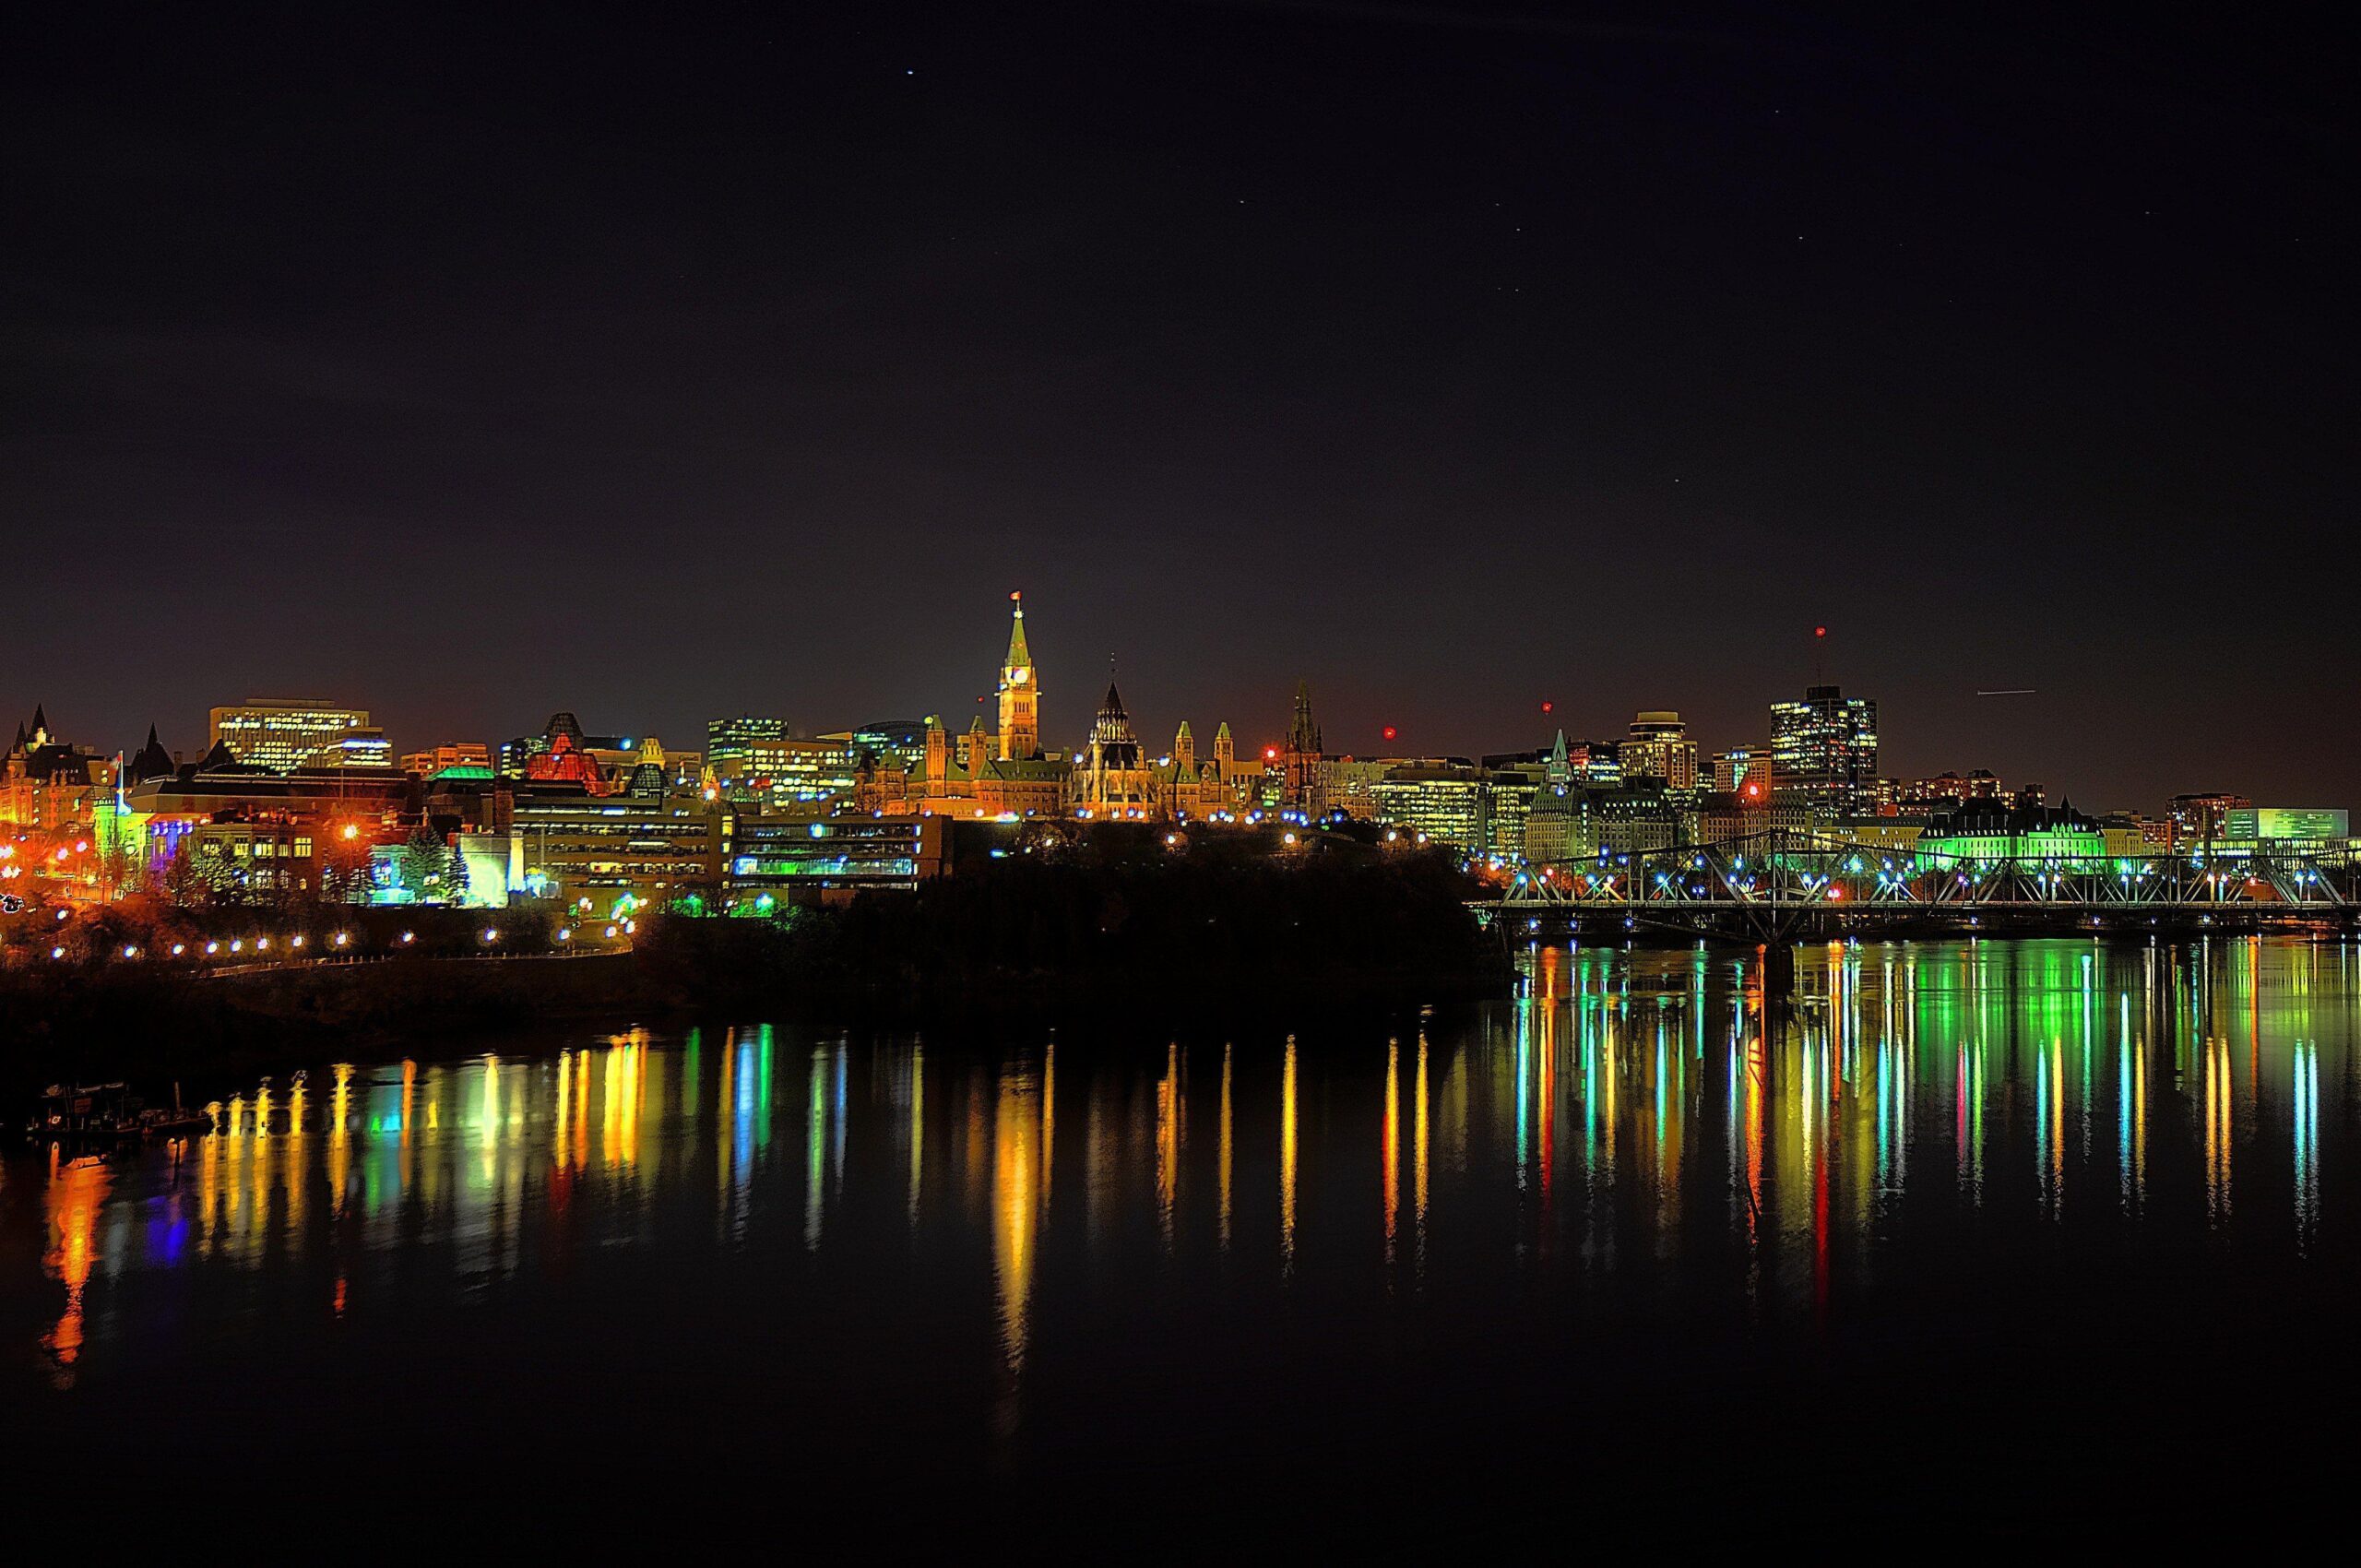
column 152, row 760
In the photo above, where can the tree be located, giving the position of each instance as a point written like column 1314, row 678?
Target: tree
column 421, row 863
column 455, row 875
column 344, row 865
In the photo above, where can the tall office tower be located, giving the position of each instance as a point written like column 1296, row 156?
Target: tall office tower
column 728, row 740
column 1660, row 748
column 1825, row 750
column 1020, row 695
column 284, row 735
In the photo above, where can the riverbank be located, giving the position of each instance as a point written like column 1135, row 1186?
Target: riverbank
column 1136, row 936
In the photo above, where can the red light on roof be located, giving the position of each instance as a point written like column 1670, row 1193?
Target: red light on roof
column 1270, row 753
column 1549, row 707
column 1390, row 731
column 1820, row 630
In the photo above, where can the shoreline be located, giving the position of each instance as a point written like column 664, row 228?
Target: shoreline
column 152, row 1029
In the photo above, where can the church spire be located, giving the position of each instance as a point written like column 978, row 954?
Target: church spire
column 1303, row 735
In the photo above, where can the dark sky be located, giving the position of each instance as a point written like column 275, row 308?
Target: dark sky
column 666, row 365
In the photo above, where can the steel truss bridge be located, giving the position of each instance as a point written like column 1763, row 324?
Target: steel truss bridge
column 1782, row 885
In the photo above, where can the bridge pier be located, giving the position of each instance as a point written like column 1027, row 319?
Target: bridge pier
column 1778, row 970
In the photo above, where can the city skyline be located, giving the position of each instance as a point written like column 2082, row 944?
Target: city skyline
column 1257, row 731
column 690, row 368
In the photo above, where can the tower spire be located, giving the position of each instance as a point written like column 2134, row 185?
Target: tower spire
column 1019, row 656
column 1020, row 692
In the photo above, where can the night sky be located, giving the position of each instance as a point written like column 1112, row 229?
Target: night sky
column 656, row 368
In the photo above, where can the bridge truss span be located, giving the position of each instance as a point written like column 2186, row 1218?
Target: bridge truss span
column 1782, row 884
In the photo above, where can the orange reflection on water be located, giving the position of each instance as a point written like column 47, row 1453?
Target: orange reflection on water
column 1226, row 1150
column 1418, row 1142
column 340, row 1138
column 918, row 1125
column 1390, row 1149
column 75, row 1198
column 1286, row 1161
column 2217, row 1128
column 1170, row 1133
column 1016, row 1206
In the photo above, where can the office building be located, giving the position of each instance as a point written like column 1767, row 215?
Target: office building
column 775, row 861
column 284, row 735
column 788, row 777
column 1659, row 747
column 452, row 754
column 1825, row 751
column 601, row 856
column 1449, row 802
column 2317, row 827
column 2200, row 818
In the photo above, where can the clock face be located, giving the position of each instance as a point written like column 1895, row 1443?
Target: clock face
column 1016, row 677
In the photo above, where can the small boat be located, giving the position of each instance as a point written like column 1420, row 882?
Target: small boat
column 108, row 1113
column 159, row 1121
column 85, row 1112
column 175, row 1121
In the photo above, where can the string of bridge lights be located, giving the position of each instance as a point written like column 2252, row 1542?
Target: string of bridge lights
column 335, row 945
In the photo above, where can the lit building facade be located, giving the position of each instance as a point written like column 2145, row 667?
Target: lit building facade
column 982, row 774
column 284, row 735
column 2199, row 818
column 1733, row 768
column 1020, row 694
column 2315, row 827
column 1659, row 747
column 1346, row 783
column 1993, row 830
column 602, row 856
column 781, row 774
column 1556, row 818
column 454, row 753
column 777, row 863
column 1825, row 751
column 49, row 786
column 1111, row 779
column 1449, row 803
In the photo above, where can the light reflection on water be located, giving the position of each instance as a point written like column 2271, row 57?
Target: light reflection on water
column 1627, row 1112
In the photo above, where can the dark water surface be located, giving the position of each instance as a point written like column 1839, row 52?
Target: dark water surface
column 1976, row 1234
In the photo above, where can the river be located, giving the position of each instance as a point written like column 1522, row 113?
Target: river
column 1958, row 1216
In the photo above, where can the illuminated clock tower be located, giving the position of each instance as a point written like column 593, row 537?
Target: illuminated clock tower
column 1020, row 695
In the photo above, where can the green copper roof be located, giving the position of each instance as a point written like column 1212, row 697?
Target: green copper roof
column 1019, row 656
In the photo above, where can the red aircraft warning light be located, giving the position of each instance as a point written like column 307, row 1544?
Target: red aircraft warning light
column 1389, row 731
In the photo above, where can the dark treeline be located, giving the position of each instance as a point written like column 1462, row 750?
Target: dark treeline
column 1117, row 913
column 1114, row 912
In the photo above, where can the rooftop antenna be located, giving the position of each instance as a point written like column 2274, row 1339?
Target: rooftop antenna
column 1819, row 635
